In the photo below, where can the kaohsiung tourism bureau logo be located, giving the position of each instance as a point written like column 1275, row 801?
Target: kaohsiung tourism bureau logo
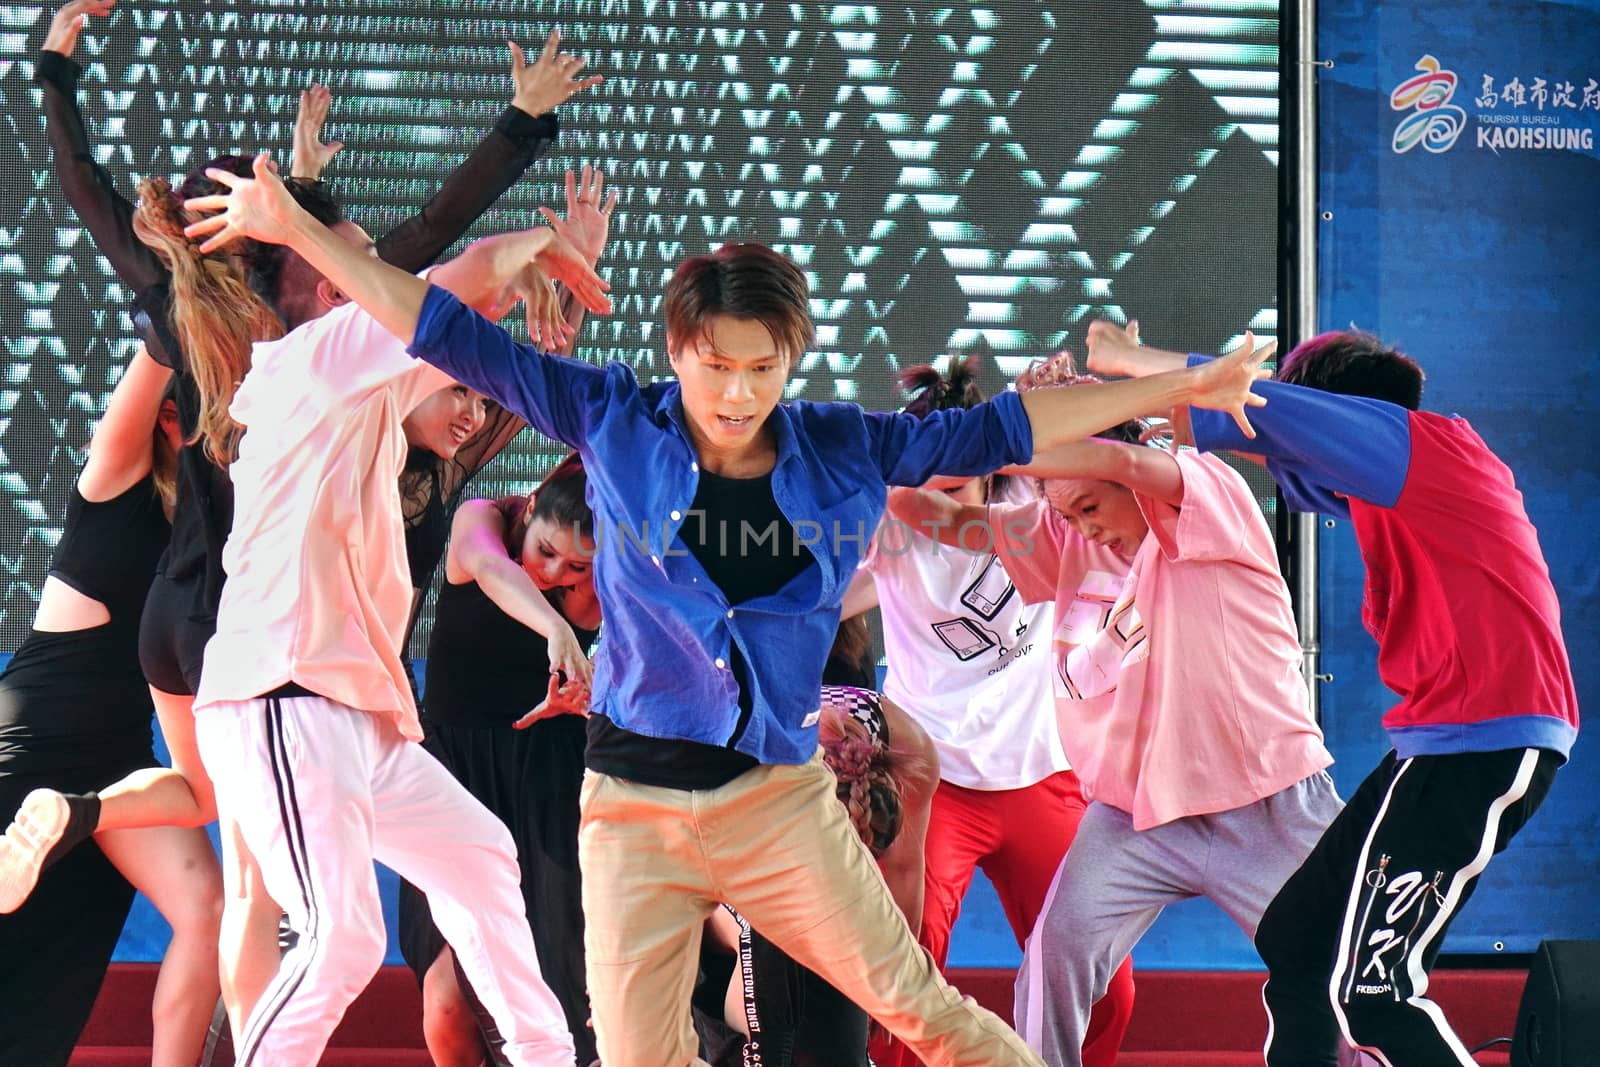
column 1539, row 114
column 1434, row 122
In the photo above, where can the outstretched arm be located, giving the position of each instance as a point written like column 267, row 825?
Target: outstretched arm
column 521, row 134
column 106, row 213
column 558, row 396
column 1013, row 428
column 261, row 208
column 1061, row 416
column 1318, row 446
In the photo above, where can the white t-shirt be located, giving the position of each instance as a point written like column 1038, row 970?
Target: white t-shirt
column 318, row 591
column 968, row 660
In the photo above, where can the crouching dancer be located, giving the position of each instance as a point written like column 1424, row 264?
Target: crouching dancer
column 304, row 716
column 704, row 780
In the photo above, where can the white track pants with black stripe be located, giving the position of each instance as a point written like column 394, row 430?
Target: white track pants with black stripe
column 319, row 791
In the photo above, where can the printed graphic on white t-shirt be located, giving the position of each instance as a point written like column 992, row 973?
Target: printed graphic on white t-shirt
column 968, row 660
column 1098, row 637
column 986, row 596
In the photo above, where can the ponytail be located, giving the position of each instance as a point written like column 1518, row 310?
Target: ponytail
column 216, row 316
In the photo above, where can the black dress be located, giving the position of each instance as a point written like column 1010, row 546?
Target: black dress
column 485, row 671
column 75, row 716
column 181, row 614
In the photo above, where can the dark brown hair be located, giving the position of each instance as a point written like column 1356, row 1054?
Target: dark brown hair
column 1356, row 364
column 745, row 281
column 931, row 391
column 559, row 499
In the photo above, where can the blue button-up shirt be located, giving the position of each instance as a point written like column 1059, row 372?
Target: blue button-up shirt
column 662, row 669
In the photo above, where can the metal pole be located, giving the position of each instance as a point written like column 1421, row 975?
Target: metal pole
column 1298, row 267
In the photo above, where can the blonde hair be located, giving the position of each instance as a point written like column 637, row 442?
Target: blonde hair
column 215, row 314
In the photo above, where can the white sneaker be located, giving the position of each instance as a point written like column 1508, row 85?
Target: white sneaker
column 38, row 825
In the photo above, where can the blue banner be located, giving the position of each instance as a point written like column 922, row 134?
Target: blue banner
column 1459, row 174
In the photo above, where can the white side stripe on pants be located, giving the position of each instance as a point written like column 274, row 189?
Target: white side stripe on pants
column 293, row 972
column 1451, row 900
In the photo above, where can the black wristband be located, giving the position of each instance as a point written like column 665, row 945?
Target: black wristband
column 522, row 127
column 57, row 69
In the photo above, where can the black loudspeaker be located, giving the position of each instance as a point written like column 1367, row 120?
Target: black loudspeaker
column 1558, row 1023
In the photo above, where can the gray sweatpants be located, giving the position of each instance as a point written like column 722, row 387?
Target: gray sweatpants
column 1115, row 880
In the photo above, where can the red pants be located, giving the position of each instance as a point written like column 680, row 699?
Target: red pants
column 1017, row 836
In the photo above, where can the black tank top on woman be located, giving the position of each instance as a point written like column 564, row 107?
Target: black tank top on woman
column 484, row 667
column 109, row 549
column 77, row 698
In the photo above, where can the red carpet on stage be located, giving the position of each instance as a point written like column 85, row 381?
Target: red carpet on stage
column 1181, row 1018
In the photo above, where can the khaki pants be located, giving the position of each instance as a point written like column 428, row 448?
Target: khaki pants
column 776, row 845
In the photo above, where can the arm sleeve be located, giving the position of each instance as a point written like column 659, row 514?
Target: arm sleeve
column 106, row 213
column 494, row 166
column 962, row 443
column 1032, row 542
column 1218, row 511
column 1319, row 446
column 559, row 397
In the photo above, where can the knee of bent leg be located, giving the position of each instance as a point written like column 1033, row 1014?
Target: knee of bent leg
column 193, row 906
column 354, row 953
column 346, row 935
column 1282, row 942
column 1117, row 1002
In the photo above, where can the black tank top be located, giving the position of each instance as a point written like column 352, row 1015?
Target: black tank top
column 109, row 549
column 484, row 667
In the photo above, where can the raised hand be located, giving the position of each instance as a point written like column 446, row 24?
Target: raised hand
column 311, row 156
column 258, row 207
column 549, row 82
column 589, row 209
column 557, row 258
column 1223, row 384
column 68, row 22
column 533, row 289
column 1111, row 347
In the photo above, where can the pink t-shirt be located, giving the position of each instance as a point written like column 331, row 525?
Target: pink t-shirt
column 1178, row 690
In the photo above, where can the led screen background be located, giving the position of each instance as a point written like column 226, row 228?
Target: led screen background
column 977, row 179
